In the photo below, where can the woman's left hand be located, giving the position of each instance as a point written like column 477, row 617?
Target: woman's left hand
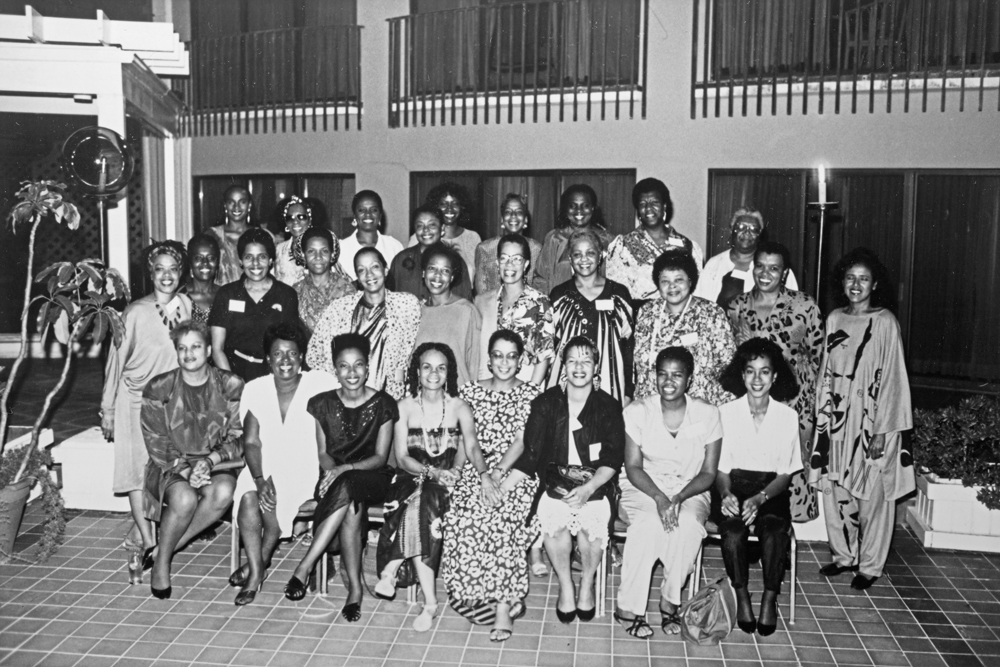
column 877, row 447
column 579, row 496
column 201, row 474
column 751, row 506
column 491, row 492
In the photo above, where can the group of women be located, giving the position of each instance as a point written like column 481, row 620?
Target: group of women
column 489, row 429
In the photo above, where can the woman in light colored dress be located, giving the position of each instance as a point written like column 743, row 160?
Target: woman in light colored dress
column 279, row 446
column 289, row 259
column 369, row 216
column 146, row 351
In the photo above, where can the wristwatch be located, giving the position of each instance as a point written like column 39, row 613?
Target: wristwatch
column 764, row 493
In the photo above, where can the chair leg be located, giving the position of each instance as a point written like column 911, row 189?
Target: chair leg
column 601, row 580
column 694, row 582
column 323, row 584
column 794, row 582
column 412, row 592
column 234, row 548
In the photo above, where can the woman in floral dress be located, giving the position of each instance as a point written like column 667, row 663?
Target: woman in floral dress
column 324, row 281
column 484, row 566
column 434, row 437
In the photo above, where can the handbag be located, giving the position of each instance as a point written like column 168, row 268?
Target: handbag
column 709, row 617
column 560, row 479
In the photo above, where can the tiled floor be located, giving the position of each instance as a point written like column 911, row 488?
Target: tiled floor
column 931, row 609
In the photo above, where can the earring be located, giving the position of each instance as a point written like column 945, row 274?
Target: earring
column 489, row 366
column 354, row 223
column 597, row 382
column 563, row 379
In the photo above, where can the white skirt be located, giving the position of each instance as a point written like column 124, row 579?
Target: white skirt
column 554, row 515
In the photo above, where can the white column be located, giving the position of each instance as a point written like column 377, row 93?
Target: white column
column 169, row 174
column 111, row 114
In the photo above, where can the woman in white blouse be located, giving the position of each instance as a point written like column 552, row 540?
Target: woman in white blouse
column 760, row 453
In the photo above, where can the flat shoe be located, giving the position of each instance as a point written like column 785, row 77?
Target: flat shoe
column 161, row 593
column 498, row 635
column 833, row 569
column 670, row 619
column 385, row 588
column 861, row 582
column 295, row 589
column 539, row 570
column 517, row 610
column 425, row 620
column 635, row 627
column 765, row 630
column 565, row 617
column 586, row 614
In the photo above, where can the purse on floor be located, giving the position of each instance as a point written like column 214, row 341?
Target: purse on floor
column 709, row 617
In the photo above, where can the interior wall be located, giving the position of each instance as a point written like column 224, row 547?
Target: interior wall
column 667, row 144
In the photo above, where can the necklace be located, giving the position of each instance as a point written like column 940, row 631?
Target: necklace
column 759, row 413
column 423, row 420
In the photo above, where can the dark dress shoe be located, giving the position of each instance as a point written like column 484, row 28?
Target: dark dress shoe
column 238, row 579
column 862, row 583
column 765, row 630
column 833, row 569
column 161, row 593
column 586, row 614
column 565, row 617
column 295, row 589
column 748, row 627
column 147, row 559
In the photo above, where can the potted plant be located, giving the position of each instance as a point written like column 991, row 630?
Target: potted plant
column 75, row 302
column 956, row 450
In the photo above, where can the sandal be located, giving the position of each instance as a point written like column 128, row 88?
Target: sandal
column 539, row 569
column 499, row 635
column 670, row 619
column 635, row 627
column 425, row 620
column 351, row 612
column 517, row 610
column 385, row 589
column 238, row 579
column 295, row 589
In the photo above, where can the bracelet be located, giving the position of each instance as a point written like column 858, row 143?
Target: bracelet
column 764, row 493
column 483, row 472
column 208, row 460
column 256, row 477
column 499, row 470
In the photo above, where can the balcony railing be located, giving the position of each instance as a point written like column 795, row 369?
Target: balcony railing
column 274, row 81
column 748, row 53
column 532, row 60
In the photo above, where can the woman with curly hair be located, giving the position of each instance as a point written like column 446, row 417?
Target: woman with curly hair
column 860, row 459
column 760, row 453
column 407, row 274
column 455, row 205
column 578, row 212
column 434, row 437
column 514, row 219
column 290, row 260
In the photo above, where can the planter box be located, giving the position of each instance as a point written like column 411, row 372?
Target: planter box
column 948, row 516
column 20, row 438
column 88, row 464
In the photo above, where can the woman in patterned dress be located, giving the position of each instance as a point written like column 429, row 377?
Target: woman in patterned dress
column 203, row 259
column 146, row 351
column 630, row 256
column 324, row 280
column 434, row 437
column 514, row 219
column 353, row 434
column 290, row 260
column 678, row 318
column 520, row 308
column 792, row 320
column 590, row 305
column 484, row 566
column 389, row 320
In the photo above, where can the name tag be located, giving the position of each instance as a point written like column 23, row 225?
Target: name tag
column 689, row 339
column 742, row 275
column 604, row 304
column 237, row 306
column 595, row 451
column 675, row 242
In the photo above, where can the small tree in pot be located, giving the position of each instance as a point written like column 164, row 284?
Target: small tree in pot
column 75, row 300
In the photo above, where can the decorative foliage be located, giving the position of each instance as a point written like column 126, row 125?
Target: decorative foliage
column 39, row 199
column 962, row 442
column 54, row 523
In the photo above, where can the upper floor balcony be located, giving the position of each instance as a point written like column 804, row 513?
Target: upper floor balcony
column 756, row 56
column 526, row 61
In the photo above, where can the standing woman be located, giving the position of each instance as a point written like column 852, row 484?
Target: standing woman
column 630, row 256
column 389, row 320
column 290, row 260
column 406, row 272
column 236, row 203
column 859, row 459
column 201, row 288
column 678, row 318
column 514, row 219
column 244, row 309
column 455, row 205
column 578, row 212
column 435, row 436
column 520, row 308
column 792, row 321
column 446, row 317
column 574, row 444
column 368, row 218
column 146, row 351
column 484, row 566
column 590, row 305
column 324, row 280
column 760, row 453
column 354, row 426
column 279, row 445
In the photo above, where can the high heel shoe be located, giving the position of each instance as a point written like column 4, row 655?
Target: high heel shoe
column 385, row 589
column 585, row 614
column 295, row 589
column 238, row 579
column 246, row 596
column 147, row 559
column 161, row 593
column 565, row 617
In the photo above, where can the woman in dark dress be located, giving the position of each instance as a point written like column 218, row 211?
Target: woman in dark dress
column 435, row 436
column 353, row 434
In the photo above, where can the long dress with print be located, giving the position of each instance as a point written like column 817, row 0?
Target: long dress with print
column 796, row 326
column 863, row 392
column 415, row 506
column 484, row 549
column 607, row 321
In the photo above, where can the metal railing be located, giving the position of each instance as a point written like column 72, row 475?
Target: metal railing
column 273, row 81
column 748, row 53
column 548, row 59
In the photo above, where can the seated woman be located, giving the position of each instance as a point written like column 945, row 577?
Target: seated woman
column 353, row 435
column 760, row 453
column 591, row 420
column 430, row 453
column 191, row 423
column 483, row 563
column 279, row 445
column 672, row 444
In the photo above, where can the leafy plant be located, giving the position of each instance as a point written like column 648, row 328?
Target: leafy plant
column 75, row 300
column 962, row 442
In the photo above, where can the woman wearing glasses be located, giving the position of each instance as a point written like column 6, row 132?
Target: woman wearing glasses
column 290, row 259
column 729, row 274
column 519, row 308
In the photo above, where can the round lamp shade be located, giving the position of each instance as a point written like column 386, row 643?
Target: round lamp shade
column 98, row 161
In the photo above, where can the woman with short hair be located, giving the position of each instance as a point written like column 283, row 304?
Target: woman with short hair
column 455, row 205
column 514, row 219
column 203, row 265
column 324, row 281
column 369, row 220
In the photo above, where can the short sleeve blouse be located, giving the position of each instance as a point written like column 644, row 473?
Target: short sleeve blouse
column 351, row 433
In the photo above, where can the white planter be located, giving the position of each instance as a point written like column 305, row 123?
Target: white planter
column 88, row 463
column 22, row 439
column 948, row 516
